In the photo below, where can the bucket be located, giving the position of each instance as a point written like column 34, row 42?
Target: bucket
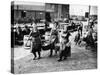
column 27, row 42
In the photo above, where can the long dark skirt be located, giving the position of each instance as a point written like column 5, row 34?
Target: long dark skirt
column 36, row 48
column 66, row 52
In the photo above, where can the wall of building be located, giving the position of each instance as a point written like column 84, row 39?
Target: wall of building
column 65, row 11
column 57, row 10
column 29, row 14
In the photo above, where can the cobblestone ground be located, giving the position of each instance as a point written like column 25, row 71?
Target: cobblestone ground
column 81, row 59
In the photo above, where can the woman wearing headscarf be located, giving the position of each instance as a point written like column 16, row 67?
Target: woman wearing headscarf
column 36, row 42
column 65, row 47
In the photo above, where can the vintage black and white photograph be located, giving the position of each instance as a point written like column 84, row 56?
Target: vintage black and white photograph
column 53, row 37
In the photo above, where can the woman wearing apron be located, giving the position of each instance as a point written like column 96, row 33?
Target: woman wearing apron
column 36, row 42
column 65, row 48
